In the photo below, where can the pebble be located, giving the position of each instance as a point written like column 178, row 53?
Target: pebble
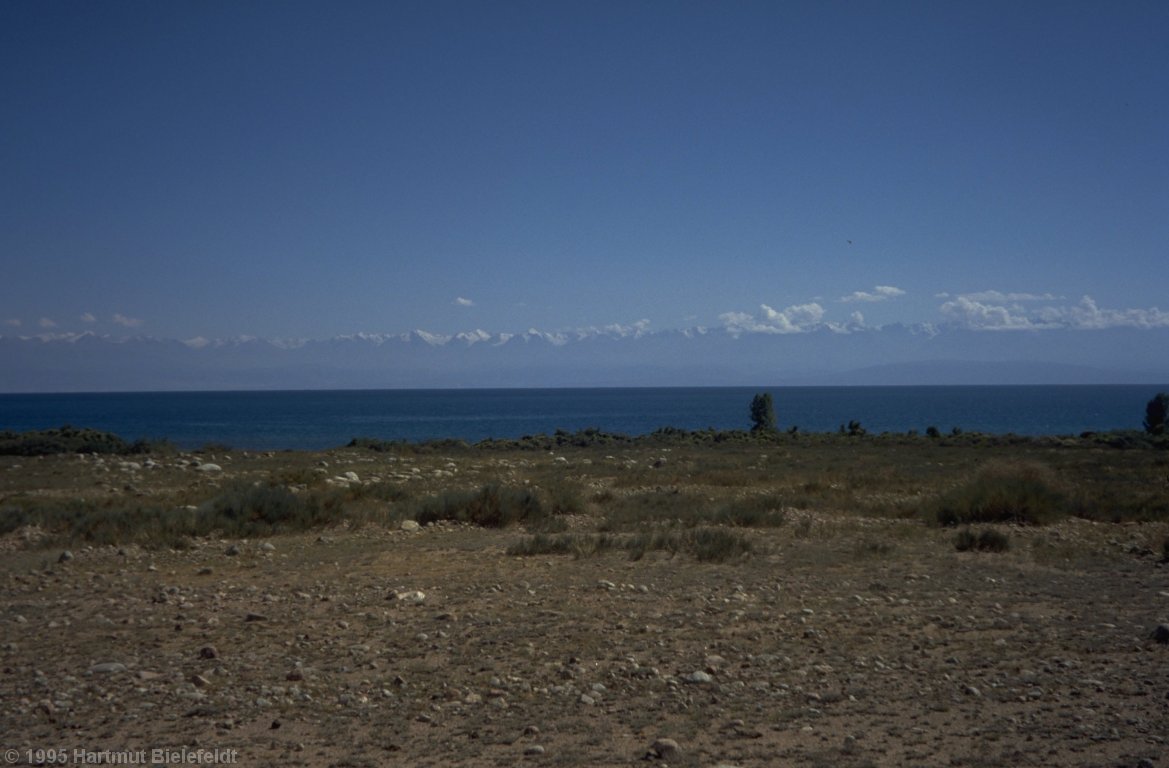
column 1161, row 634
column 108, row 667
column 65, row 557
column 267, row 547
column 208, row 652
column 232, row 550
column 698, row 678
column 410, row 526
column 533, row 750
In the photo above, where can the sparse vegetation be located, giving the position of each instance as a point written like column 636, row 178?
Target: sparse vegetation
column 988, row 540
column 706, row 545
column 1022, row 493
column 668, row 568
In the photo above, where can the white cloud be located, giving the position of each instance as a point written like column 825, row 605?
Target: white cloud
column 1085, row 315
column 88, row 317
column 794, row 319
column 128, row 322
column 616, row 330
column 13, row 322
column 46, row 322
column 879, row 293
column 984, row 317
column 462, row 302
column 1000, row 297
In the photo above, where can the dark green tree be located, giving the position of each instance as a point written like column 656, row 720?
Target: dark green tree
column 1157, row 414
column 763, row 413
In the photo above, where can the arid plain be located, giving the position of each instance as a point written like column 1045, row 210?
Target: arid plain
column 675, row 602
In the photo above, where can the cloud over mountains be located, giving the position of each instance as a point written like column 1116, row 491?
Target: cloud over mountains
column 985, row 339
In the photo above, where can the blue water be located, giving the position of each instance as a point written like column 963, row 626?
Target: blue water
column 314, row 420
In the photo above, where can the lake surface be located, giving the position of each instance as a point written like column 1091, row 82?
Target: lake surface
column 313, row 420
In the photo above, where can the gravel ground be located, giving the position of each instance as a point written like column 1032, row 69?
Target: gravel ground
column 841, row 641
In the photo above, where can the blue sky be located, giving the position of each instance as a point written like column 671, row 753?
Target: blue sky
column 295, row 169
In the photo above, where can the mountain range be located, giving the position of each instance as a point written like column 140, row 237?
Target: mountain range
column 613, row 356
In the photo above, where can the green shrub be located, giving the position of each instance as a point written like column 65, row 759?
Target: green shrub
column 542, row 544
column 986, row 541
column 66, row 439
column 753, row 512
column 1022, row 493
column 245, row 510
column 564, row 499
column 492, row 506
column 717, row 545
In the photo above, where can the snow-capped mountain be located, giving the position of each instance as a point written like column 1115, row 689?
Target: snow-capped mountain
column 608, row 356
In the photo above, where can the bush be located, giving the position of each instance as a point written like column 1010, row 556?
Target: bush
column 1157, row 414
column 717, row 545
column 492, row 506
column 986, row 541
column 66, row 439
column 246, row 510
column 752, row 512
column 563, row 499
column 1005, row 493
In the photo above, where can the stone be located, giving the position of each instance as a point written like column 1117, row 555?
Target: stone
column 410, row 597
column 65, row 557
column 698, row 678
column 107, row 668
column 232, row 550
column 533, row 750
column 665, row 749
column 267, row 546
column 208, row 467
column 410, row 526
column 1161, row 634
column 208, row 652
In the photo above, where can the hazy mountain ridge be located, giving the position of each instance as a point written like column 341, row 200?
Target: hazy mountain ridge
column 612, row 356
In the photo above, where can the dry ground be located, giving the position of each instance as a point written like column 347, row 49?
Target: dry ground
column 848, row 637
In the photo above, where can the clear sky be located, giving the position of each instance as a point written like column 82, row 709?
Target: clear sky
column 307, row 169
